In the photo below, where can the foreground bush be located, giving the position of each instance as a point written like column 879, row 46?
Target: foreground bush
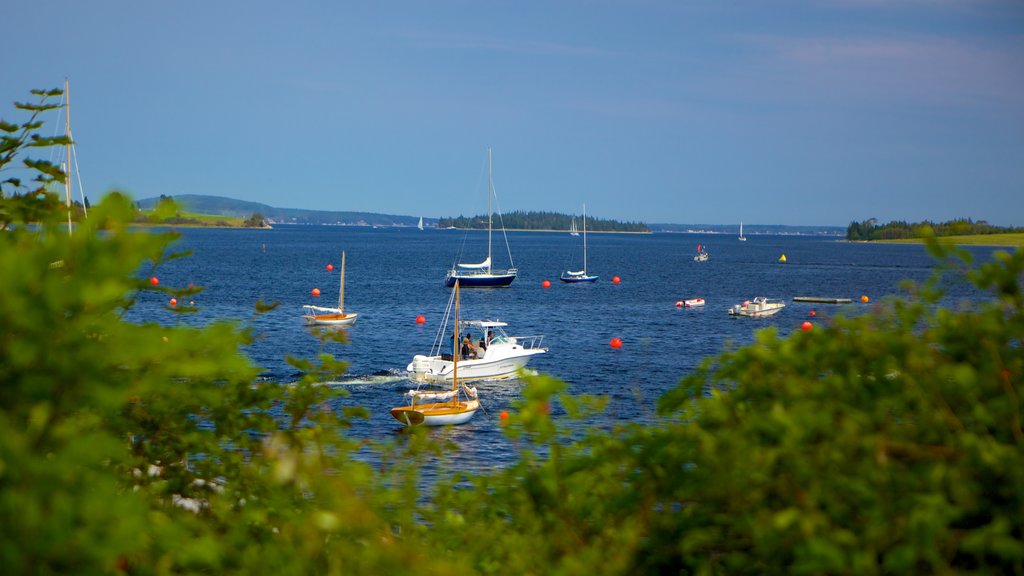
column 889, row 442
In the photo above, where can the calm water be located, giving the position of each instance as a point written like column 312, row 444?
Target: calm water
column 393, row 275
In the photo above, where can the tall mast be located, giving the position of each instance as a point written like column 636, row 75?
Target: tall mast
column 584, row 239
column 457, row 343
column 341, row 294
column 67, row 152
column 490, row 190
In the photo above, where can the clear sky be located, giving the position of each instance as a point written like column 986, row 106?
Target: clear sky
column 781, row 112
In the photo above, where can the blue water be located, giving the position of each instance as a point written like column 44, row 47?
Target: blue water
column 394, row 275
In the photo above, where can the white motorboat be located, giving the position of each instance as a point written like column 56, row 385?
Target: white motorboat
column 702, row 254
column 493, row 354
column 759, row 307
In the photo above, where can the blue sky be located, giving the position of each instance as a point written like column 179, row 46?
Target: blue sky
column 788, row 112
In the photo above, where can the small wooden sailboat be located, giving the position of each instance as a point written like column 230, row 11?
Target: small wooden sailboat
column 576, row 276
column 455, row 406
column 324, row 316
column 742, row 238
column 483, row 274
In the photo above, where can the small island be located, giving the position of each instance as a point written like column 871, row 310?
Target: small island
column 962, row 231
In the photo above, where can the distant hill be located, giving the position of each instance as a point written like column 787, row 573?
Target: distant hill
column 221, row 206
column 749, row 229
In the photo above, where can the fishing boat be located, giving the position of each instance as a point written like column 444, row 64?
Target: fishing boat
column 487, row 353
column 742, row 238
column 759, row 307
column 324, row 316
column 577, row 276
column 572, row 229
column 483, row 274
column 441, row 408
column 702, row 254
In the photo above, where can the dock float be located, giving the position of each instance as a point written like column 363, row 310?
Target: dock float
column 820, row 300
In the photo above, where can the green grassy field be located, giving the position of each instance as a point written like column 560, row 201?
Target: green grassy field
column 1010, row 240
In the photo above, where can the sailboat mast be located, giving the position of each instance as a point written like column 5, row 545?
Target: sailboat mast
column 456, row 343
column 67, row 154
column 341, row 291
column 490, row 191
column 584, row 239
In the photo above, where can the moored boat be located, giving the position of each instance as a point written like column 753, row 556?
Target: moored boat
column 759, row 307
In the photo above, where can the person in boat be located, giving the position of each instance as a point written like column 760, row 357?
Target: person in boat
column 484, row 341
column 468, row 350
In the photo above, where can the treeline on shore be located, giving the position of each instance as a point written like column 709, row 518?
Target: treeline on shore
column 898, row 230
column 542, row 221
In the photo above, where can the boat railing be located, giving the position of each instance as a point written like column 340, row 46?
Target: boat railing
column 529, row 342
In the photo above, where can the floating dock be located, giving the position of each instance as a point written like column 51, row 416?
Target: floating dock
column 822, row 300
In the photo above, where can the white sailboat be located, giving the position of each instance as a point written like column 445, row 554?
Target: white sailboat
column 572, row 228
column 742, row 237
column 420, row 225
column 483, row 274
column 454, row 406
column 324, row 316
column 575, row 276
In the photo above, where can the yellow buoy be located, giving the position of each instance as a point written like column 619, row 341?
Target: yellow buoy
column 782, row 258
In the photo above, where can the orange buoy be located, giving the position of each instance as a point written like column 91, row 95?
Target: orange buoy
column 316, row 291
column 806, row 326
column 615, row 343
column 330, row 267
column 546, row 284
column 504, row 416
column 174, row 302
column 421, row 319
column 615, row 280
column 864, row 299
column 154, row 280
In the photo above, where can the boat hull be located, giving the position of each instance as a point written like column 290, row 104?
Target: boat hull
column 436, row 414
column 483, row 280
column 577, row 278
column 437, row 369
column 331, row 319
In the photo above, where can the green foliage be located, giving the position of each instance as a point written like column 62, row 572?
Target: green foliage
column 890, row 442
column 871, row 230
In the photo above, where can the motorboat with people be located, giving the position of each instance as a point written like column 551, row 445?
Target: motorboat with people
column 759, row 307
column 702, row 254
column 487, row 352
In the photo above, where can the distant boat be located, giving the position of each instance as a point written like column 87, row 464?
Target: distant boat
column 572, row 228
column 323, row 316
column 420, row 225
column 577, row 276
column 702, row 254
column 690, row 302
column 742, row 237
column 447, row 408
column 482, row 274
column 759, row 307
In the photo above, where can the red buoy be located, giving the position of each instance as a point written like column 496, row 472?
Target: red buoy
column 421, row 319
column 330, row 267
column 504, row 416
column 812, row 313
column 154, row 280
column 546, row 283
column 615, row 343
column 806, row 326
column 174, row 302
column 615, row 280
column 316, row 291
